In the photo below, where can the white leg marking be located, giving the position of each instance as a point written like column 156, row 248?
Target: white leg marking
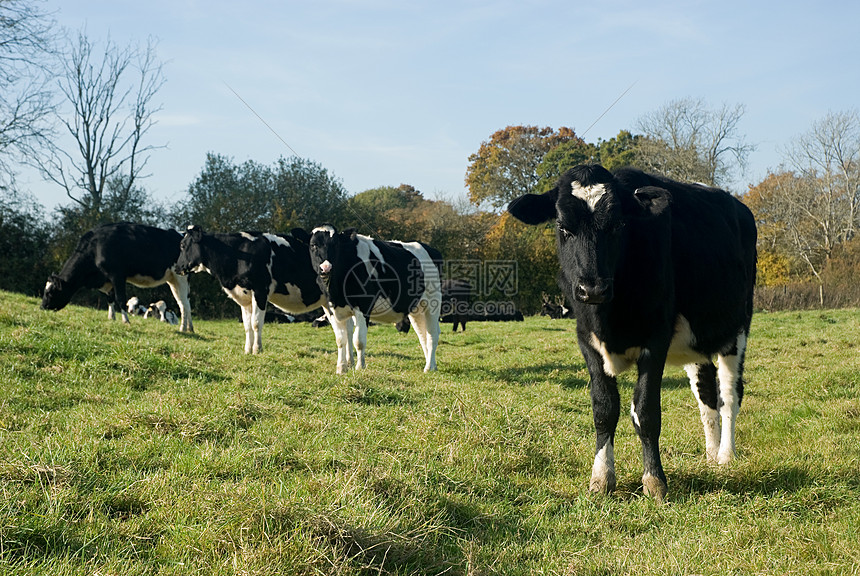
column 426, row 326
column 180, row 290
column 246, row 322
column 634, row 415
column 709, row 416
column 258, row 317
column 111, row 313
column 728, row 373
column 359, row 339
column 341, row 325
column 603, row 471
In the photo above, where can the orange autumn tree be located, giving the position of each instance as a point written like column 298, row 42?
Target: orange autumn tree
column 506, row 166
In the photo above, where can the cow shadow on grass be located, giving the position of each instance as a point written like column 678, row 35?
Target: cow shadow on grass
column 746, row 482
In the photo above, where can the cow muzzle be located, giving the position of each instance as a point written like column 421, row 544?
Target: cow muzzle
column 325, row 268
column 593, row 291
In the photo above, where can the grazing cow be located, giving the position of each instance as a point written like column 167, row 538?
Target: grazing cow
column 109, row 256
column 366, row 279
column 159, row 310
column 255, row 269
column 657, row 271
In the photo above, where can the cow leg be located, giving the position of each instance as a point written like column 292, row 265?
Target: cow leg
column 247, row 316
column 359, row 339
column 730, row 372
column 342, row 328
column 703, row 382
column 428, row 329
column 180, row 290
column 606, row 409
column 645, row 412
column 258, row 317
column 119, row 299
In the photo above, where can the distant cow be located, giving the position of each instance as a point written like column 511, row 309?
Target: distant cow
column 159, row 311
column 367, row 279
column 455, row 302
column 255, row 269
column 555, row 308
column 134, row 307
column 109, row 256
column 656, row 271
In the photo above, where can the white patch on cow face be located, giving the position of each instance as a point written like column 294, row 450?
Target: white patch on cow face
column 274, row 239
column 614, row 364
column 48, row 286
column 325, row 228
column 325, row 267
column 590, row 194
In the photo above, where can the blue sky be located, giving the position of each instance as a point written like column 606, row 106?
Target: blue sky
column 384, row 92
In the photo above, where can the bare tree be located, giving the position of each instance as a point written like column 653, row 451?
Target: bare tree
column 25, row 96
column 111, row 94
column 812, row 205
column 828, row 157
column 688, row 141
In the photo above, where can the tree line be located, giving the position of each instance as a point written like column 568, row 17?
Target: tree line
column 101, row 97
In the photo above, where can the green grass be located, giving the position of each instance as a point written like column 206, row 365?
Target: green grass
column 130, row 450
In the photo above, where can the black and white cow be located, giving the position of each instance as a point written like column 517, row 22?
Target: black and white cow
column 366, row 279
column 657, row 272
column 255, row 269
column 134, row 307
column 455, row 302
column 109, row 256
column 159, row 311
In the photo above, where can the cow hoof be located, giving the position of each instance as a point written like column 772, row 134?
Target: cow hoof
column 655, row 488
column 724, row 458
column 602, row 485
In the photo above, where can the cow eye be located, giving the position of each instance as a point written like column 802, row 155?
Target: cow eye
column 566, row 234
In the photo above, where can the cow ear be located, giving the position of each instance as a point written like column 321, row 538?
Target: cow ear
column 301, row 235
column 195, row 231
column 350, row 233
column 534, row 208
column 652, row 200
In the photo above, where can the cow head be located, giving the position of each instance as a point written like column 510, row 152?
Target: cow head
column 57, row 293
column 592, row 210
column 190, row 253
column 328, row 246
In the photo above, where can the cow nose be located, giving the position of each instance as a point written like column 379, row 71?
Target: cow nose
column 597, row 292
column 325, row 267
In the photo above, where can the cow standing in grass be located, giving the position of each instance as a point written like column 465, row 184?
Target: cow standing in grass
column 109, row 256
column 255, row 269
column 657, row 271
column 365, row 279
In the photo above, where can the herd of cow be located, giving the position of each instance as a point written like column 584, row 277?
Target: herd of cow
column 655, row 271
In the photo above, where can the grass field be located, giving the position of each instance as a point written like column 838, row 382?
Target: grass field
column 130, row 450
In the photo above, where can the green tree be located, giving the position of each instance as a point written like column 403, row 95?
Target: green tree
column 24, row 242
column 506, row 166
column 614, row 153
column 226, row 197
